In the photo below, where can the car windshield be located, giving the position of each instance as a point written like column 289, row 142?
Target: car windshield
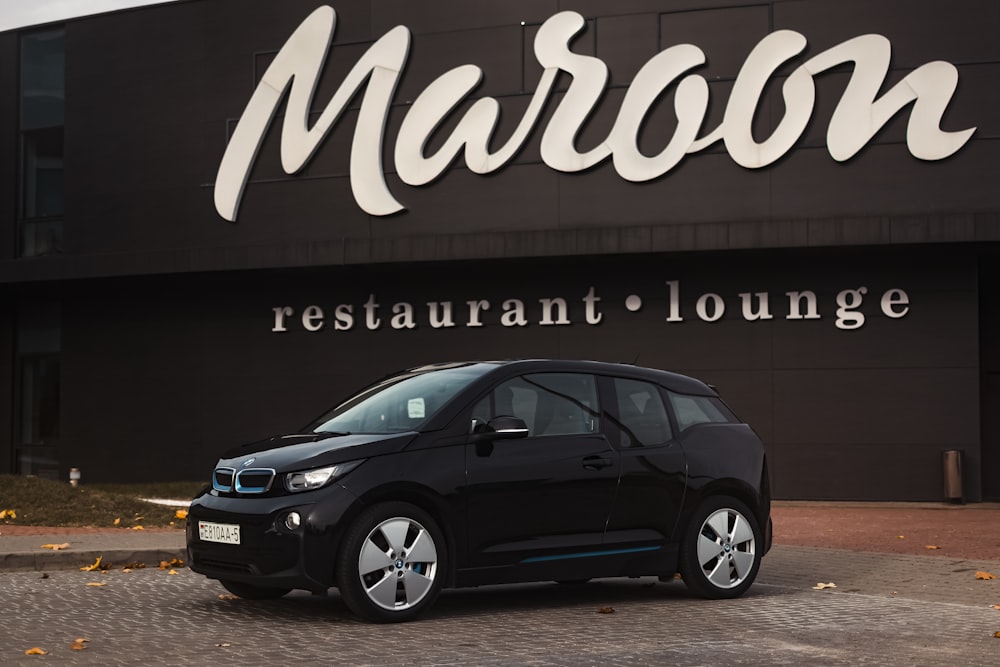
column 400, row 403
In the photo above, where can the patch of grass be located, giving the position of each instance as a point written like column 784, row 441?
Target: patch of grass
column 42, row 502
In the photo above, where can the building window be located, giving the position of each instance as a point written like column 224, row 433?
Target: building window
column 43, row 85
column 36, row 390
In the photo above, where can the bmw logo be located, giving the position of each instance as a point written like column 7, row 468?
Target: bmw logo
column 248, row 461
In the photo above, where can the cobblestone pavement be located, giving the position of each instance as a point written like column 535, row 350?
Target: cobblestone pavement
column 151, row 617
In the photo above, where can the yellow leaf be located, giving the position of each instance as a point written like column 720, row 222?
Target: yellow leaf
column 118, row 521
column 127, row 570
column 36, row 651
column 901, row 537
column 181, row 514
column 56, row 547
column 997, row 635
column 8, row 514
column 820, row 586
column 227, row 597
column 606, row 610
column 931, row 546
column 985, row 576
column 77, row 646
column 172, row 572
column 996, row 606
column 81, row 640
column 96, row 583
column 91, row 568
column 136, row 527
column 173, row 562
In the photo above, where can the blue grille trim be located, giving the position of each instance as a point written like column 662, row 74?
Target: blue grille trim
column 226, row 472
column 255, row 488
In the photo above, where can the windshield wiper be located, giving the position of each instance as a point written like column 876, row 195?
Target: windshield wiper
column 332, row 433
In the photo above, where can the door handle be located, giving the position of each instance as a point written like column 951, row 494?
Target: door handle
column 597, row 462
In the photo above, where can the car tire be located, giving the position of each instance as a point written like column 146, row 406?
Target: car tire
column 392, row 564
column 251, row 592
column 722, row 547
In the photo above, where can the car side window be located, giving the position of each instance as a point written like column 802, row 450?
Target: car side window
column 642, row 415
column 692, row 410
column 550, row 403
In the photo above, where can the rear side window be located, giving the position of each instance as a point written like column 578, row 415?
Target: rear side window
column 693, row 410
column 642, row 416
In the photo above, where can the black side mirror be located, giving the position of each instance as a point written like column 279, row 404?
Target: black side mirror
column 503, row 427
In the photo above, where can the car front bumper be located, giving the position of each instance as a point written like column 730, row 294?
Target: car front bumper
column 270, row 554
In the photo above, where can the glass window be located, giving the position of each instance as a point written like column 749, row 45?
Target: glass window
column 36, row 389
column 642, row 416
column 43, row 85
column 692, row 410
column 401, row 403
column 38, row 394
column 43, row 79
column 550, row 403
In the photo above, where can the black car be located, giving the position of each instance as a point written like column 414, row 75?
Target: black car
column 477, row 473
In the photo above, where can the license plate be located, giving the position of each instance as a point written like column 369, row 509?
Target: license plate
column 226, row 533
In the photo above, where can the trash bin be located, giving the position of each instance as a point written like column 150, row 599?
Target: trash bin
column 952, row 460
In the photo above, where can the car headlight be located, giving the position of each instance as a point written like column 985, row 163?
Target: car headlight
column 307, row 480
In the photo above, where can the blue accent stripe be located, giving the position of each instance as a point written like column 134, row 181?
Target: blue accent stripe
column 589, row 554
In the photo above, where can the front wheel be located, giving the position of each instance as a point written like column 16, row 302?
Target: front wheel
column 719, row 556
column 392, row 564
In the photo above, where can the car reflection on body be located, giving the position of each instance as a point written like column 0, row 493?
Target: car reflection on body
column 476, row 473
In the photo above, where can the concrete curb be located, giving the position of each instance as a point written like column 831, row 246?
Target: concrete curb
column 27, row 561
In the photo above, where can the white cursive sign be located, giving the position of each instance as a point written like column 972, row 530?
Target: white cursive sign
column 859, row 115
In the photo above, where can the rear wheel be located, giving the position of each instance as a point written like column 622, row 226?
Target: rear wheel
column 720, row 555
column 392, row 564
column 251, row 592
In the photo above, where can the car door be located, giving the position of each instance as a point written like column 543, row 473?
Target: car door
column 653, row 465
column 547, row 495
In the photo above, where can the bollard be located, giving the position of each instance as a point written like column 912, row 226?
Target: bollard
column 74, row 476
column 952, row 461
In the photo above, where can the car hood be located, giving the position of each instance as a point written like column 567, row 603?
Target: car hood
column 286, row 453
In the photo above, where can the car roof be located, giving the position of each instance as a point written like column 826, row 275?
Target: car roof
column 677, row 382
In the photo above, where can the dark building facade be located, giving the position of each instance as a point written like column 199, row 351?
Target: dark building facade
column 793, row 201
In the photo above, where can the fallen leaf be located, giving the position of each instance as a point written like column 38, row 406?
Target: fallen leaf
column 820, row 586
column 931, row 546
column 173, row 562
column 90, row 568
column 11, row 514
column 96, row 583
column 127, row 570
column 606, row 610
column 36, row 651
column 118, row 521
column 134, row 565
column 901, row 537
column 56, row 547
column 985, row 576
column 996, row 606
column 997, row 635
column 181, row 514
column 224, row 645
column 137, row 528
column 172, row 572
column 81, row 640
column 77, row 646
column 224, row 596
